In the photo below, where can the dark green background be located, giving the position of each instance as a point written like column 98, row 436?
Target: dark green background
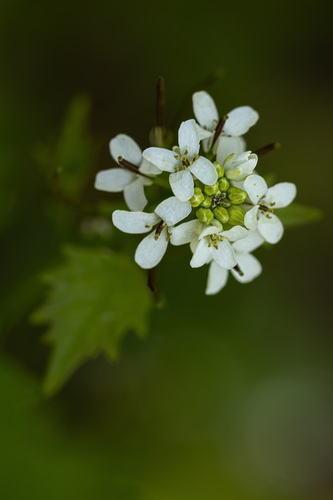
column 230, row 396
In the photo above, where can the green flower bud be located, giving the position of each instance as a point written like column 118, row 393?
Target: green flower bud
column 206, row 203
column 224, row 184
column 219, row 169
column 205, row 215
column 197, row 198
column 226, row 203
column 212, row 189
column 236, row 215
column 236, row 195
column 221, row 214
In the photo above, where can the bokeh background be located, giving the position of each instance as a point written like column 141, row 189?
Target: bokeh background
column 230, row 396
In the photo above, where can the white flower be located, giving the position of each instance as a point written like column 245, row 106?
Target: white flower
column 238, row 123
column 238, row 166
column 214, row 244
column 115, row 180
column 246, row 269
column 152, row 248
column 265, row 200
column 183, row 162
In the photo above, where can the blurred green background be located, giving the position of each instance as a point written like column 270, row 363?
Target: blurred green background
column 229, row 397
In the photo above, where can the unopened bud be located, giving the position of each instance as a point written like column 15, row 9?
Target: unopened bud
column 236, row 195
column 236, row 215
column 224, row 184
column 205, row 215
column 197, row 198
column 219, row 169
column 212, row 189
column 221, row 214
column 206, row 202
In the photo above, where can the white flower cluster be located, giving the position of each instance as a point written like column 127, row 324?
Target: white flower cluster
column 211, row 175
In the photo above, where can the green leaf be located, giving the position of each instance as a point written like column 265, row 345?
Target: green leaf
column 297, row 215
column 71, row 153
column 94, row 299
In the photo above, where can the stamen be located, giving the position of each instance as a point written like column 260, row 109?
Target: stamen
column 237, row 268
column 159, row 229
column 130, row 166
column 267, row 149
column 219, row 128
column 127, row 164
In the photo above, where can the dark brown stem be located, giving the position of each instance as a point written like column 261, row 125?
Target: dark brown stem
column 160, row 102
column 152, row 280
column 219, row 128
column 267, row 149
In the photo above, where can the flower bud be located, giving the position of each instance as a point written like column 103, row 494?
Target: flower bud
column 226, row 203
column 221, row 214
column 206, row 203
column 197, row 198
column 236, row 215
column 212, row 189
column 205, row 215
column 224, row 184
column 219, row 169
column 236, row 195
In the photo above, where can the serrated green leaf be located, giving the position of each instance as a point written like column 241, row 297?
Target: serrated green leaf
column 297, row 215
column 95, row 298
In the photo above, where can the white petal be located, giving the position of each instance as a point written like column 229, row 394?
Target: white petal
column 185, row 233
column 148, row 168
column 113, row 180
column 164, row 159
column 208, row 230
column 256, row 188
column 182, row 184
column 201, row 254
column 235, row 233
column 280, row 195
column 224, row 255
column 205, row 110
column 125, row 146
column 270, row 227
column 252, row 241
column 188, row 139
column 227, row 145
column 240, row 120
column 150, row 250
column 238, row 167
column 249, row 266
column 251, row 219
column 134, row 222
column 172, row 210
column 204, row 170
column 135, row 196
column 217, row 278
column 203, row 133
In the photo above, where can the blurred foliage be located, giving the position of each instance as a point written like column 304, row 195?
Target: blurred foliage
column 230, row 396
column 67, row 160
column 95, row 298
column 297, row 214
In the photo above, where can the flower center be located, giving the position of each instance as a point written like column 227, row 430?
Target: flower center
column 266, row 211
column 183, row 159
column 213, row 240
